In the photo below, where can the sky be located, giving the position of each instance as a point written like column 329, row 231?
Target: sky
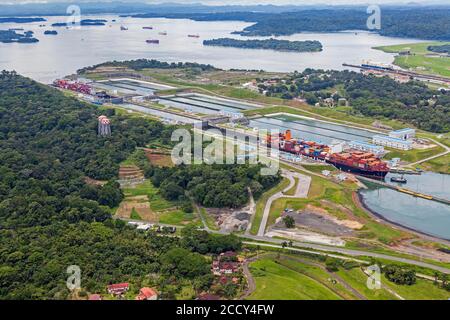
column 243, row 2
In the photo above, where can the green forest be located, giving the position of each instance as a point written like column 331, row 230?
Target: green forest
column 274, row 44
column 140, row 64
column 415, row 23
column 51, row 219
column 368, row 95
column 440, row 49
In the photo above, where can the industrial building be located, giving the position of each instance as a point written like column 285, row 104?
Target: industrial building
column 404, row 134
column 377, row 150
column 391, row 142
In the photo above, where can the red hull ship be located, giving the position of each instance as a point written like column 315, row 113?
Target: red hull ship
column 357, row 162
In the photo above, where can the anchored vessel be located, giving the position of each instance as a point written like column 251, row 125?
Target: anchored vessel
column 357, row 162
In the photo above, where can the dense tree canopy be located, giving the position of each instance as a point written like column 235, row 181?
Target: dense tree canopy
column 140, row 64
column 212, row 185
column 274, row 44
column 373, row 96
column 50, row 218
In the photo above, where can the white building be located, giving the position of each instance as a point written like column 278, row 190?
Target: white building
column 367, row 147
column 404, row 134
column 392, row 142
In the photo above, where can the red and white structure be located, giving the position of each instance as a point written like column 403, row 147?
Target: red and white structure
column 104, row 126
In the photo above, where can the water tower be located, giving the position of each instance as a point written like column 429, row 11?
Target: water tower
column 104, row 126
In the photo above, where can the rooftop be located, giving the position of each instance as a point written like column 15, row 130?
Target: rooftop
column 403, row 130
column 392, row 139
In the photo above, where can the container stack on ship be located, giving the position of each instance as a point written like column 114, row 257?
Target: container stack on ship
column 357, row 162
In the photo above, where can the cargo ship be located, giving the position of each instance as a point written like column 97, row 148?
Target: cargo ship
column 154, row 41
column 164, row 33
column 377, row 66
column 357, row 162
column 193, row 36
column 147, row 28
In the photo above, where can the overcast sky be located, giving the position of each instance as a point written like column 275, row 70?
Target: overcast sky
column 224, row 2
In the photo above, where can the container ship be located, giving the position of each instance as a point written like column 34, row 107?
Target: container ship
column 153, row 41
column 357, row 162
column 377, row 66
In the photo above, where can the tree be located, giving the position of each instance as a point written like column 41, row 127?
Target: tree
column 400, row 275
column 289, row 222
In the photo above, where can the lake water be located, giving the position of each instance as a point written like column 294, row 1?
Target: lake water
column 72, row 49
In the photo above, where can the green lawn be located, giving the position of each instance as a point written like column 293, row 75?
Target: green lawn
column 209, row 220
column 134, row 215
column 421, row 290
column 318, row 274
column 176, row 217
column 318, row 168
column 292, row 190
column 418, row 61
column 157, row 202
column 440, row 164
column 413, row 155
column 277, row 282
column 358, row 280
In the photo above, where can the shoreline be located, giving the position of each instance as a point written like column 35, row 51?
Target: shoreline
column 359, row 201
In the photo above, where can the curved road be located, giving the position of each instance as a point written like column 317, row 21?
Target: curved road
column 301, row 192
column 331, row 252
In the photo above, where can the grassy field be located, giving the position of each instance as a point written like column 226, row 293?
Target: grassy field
column 441, row 164
column 209, row 220
column 261, row 203
column 413, row 155
column 418, row 61
column 278, row 282
column 358, row 280
column 166, row 211
column 292, row 190
column 421, row 290
column 319, row 168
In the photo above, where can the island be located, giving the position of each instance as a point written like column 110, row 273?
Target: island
column 11, row 36
column 21, row 20
column 85, row 22
column 50, row 32
column 272, row 44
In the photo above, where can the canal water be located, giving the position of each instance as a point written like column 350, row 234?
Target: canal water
column 161, row 114
column 312, row 130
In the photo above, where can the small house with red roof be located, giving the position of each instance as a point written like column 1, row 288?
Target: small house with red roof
column 147, row 293
column 118, row 288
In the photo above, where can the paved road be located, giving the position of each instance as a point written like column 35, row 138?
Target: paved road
column 447, row 150
column 335, row 251
column 303, row 185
